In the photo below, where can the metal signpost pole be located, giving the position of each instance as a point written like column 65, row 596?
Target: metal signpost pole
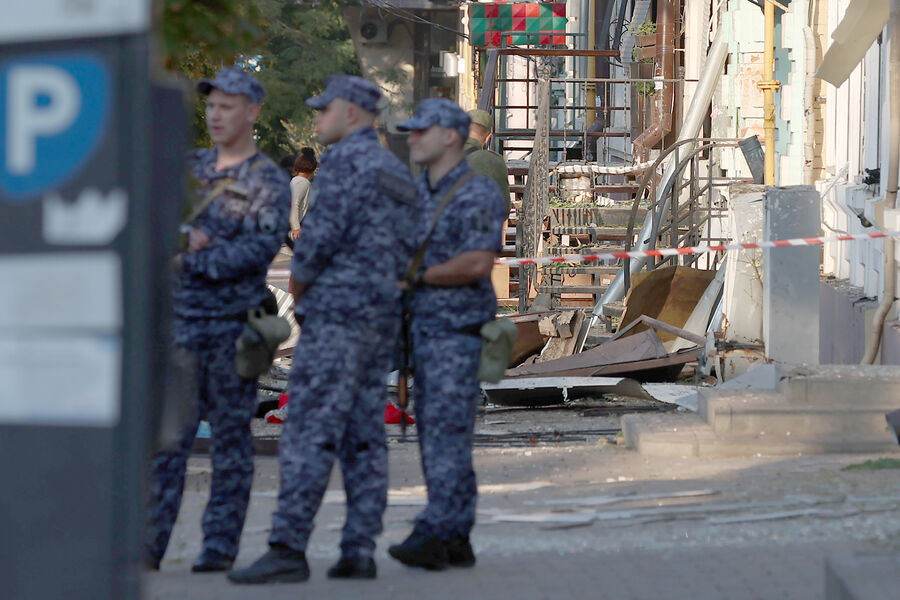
column 80, row 310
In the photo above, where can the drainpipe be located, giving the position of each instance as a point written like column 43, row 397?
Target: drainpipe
column 809, row 104
column 889, row 271
column 590, row 89
column 663, row 99
column 768, row 87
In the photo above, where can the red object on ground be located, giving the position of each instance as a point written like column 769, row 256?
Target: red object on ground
column 273, row 417
column 278, row 415
column 392, row 415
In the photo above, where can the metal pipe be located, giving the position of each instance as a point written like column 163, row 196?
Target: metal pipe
column 768, row 87
column 712, row 70
column 591, row 88
column 664, row 98
column 889, row 271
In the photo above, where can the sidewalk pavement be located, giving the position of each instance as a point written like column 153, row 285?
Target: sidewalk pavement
column 763, row 531
column 783, row 573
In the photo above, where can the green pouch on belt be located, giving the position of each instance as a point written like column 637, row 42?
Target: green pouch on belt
column 259, row 341
column 497, row 339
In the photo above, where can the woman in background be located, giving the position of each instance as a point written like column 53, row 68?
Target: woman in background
column 304, row 169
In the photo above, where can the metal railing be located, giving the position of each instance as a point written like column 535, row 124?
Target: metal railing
column 691, row 200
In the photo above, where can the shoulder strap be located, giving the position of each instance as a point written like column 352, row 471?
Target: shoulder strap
column 220, row 188
column 472, row 150
column 419, row 256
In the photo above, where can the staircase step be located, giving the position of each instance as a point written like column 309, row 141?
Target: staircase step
column 562, row 250
column 595, row 215
column 772, row 414
column 670, row 434
column 572, row 289
column 582, row 269
column 838, row 384
column 600, row 232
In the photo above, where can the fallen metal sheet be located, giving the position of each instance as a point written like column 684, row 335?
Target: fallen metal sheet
column 666, row 368
column 618, row 498
column 644, row 345
column 662, row 328
column 685, row 396
column 545, row 391
column 698, row 322
column 669, row 294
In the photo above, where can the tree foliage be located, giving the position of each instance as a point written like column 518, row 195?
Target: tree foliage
column 293, row 46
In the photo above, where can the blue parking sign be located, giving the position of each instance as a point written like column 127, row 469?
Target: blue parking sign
column 53, row 112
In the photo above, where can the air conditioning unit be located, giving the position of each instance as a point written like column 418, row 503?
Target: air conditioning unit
column 373, row 31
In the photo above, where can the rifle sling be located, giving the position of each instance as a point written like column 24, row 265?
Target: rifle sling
column 419, row 256
column 218, row 190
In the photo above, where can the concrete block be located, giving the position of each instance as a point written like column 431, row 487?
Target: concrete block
column 665, row 434
column 844, row 384
column 743, row 290
column 862, row 576
column 890, row 349
column 843, row 313
column 791, row 276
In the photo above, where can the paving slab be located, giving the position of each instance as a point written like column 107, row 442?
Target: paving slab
column 862, row 576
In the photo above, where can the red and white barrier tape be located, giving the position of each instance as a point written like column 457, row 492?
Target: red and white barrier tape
column 576, row 258
column 810, row 241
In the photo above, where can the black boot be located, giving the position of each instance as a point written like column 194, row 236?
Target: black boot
column 151, row 561
column 279, row 564
column 210, row 561
column 459, row 552
column 353, row 567
column 420, row 550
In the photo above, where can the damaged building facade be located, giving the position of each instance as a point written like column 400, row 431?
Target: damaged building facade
column 625, row 126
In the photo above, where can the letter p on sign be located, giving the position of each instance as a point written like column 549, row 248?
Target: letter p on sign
column 43, row 101
column 53, row 109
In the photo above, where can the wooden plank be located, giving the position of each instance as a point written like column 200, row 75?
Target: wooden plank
column 486, row 97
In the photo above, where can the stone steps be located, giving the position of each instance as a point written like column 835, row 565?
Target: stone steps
column 833, row 409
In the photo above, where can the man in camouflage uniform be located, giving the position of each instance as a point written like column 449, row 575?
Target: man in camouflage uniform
column 484, row 161
column 221, row 275
column 452, row 297
column 345, row 272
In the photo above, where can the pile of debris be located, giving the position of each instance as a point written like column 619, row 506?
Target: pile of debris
column 662, row 328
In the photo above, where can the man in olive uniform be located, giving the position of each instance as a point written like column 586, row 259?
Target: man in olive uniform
column 219, row 277
column 451, row 297
column 482, row 160
column 345, row 270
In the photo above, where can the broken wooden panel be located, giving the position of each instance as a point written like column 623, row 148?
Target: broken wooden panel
column 668, row 294
column 561, row 346
column 528, row 336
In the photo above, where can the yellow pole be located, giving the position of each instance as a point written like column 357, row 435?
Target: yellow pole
column 590, row 89
column 768, row 86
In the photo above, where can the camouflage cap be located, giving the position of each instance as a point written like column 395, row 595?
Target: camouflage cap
column 483, row 118
column 438, row 111
column 234, row 80
column 350, row 88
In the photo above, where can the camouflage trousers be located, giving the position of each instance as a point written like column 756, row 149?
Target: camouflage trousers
column 228, row 402
column 336, row 412
column 446, row 397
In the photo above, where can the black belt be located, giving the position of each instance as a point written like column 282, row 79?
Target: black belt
column 474, row 329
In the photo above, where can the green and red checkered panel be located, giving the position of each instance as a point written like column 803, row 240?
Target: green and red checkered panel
column 520, row 22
